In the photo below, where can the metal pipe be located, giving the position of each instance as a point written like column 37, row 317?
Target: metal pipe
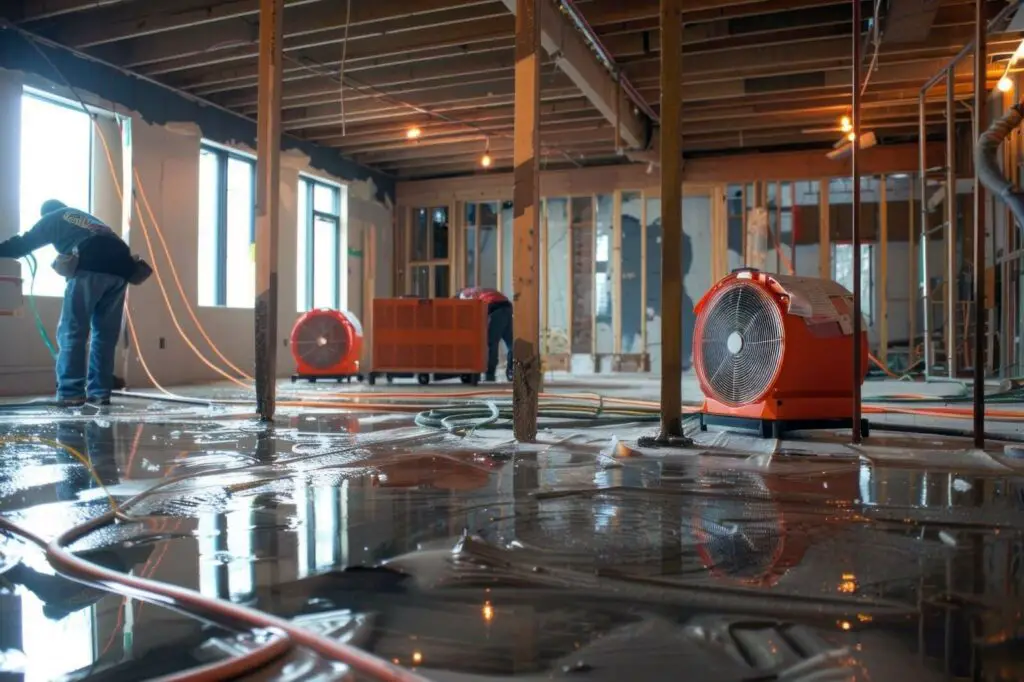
column 951, row 233
column 1003, row 15
column 923, row 184
column 980, row 101
column 858, row 374
column 590, row 36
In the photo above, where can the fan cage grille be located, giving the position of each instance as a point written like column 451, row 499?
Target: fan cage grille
column 740, row 341
column 322, row 340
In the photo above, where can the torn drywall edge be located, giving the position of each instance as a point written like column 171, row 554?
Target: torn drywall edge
column 160, row 105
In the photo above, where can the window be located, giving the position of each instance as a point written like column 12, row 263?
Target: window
column 56, row 163
column 842, row 272
column 321, row 272
column 428, row 253
column 227, row 228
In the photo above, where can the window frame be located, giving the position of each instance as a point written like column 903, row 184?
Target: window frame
column 223, row 155
column 308, row 184
column 30, row 92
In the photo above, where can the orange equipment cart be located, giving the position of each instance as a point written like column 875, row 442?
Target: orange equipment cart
column 443, row 337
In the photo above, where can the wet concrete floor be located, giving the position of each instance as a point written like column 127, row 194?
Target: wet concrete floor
column 482, row 559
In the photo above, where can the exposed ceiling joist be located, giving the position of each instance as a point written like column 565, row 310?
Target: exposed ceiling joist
column 304, row 29
column 43, row 9
column 576, row 59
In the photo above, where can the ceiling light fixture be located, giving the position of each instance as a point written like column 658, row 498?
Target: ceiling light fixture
column 845, row 124
column 1005, row 84
column 413, row 133
column 486, row 159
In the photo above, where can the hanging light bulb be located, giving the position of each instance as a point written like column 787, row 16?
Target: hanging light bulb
column 851, row 136
column 1005, row 84
column 486, row 159
column 413, row 133
column 845, row 124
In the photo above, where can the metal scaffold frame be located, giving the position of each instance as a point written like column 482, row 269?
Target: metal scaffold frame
column 978, row 115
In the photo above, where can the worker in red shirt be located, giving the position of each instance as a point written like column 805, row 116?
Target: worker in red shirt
column 499, row 326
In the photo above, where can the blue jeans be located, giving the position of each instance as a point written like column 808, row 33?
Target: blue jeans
column 92, row 302
column 499, row 329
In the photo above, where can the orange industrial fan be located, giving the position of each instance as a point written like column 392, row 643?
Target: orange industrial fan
column 327, row 344
column 773, row 352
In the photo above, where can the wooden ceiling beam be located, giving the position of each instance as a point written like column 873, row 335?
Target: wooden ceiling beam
column 365, row 138
column 460, row 27
column 387, row 76
column 561, row 39
column 439, row 102
column 599, row 135
column 35, row 10
column 108, row 24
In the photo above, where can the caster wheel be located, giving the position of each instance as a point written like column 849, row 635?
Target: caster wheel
column 466, row 378
column 474, row 379
column 311, row 380
column 371, row 379
column 423, row 379
column 391, row 379
column 294, row 378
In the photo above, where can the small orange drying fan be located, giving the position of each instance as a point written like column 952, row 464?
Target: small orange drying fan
column 773, row 353
column 327, row 344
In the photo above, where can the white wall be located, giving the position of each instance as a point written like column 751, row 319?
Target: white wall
column 167, row 160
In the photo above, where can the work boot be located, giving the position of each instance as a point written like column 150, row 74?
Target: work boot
column 70, row 402
column 508, row 373
column 489, row 377
column 98, row 402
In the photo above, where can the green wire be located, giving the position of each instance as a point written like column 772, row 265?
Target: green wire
column 33, row 266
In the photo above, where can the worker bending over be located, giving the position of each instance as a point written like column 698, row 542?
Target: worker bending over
column 98, row 267
column 499, row 326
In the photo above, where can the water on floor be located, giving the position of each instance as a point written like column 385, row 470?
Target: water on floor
column 470, row 558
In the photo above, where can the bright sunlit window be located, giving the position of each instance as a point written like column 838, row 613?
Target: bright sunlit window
column 842, row 272
column 320, row 261
column 227, row 228
column 56, row 163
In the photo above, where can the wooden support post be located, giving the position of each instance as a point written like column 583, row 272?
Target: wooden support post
column 911, row 277
column 951, row 231
column 858, row 320
column 643, row 276
column 369, row 289
column 925, row 289
column 671, row 22
column 526, row 227
column 824, row 232
column 883, row 271
column 544, row 283
column 268, row 199
column 980, row 121
column 617, row 272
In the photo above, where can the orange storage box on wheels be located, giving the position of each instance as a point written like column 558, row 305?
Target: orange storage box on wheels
column 438, row 337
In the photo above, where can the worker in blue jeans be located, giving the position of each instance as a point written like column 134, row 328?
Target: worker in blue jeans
column 98, row 266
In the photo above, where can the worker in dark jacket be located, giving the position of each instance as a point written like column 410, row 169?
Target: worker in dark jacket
column 98, row 266
column 499, row 326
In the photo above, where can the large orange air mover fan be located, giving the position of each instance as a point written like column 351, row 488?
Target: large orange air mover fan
column 773, row 353
column 327, row 344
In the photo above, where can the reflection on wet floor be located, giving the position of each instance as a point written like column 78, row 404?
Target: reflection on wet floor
column 499, row 562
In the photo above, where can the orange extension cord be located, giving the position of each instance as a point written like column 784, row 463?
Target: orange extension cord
column 370, row 402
